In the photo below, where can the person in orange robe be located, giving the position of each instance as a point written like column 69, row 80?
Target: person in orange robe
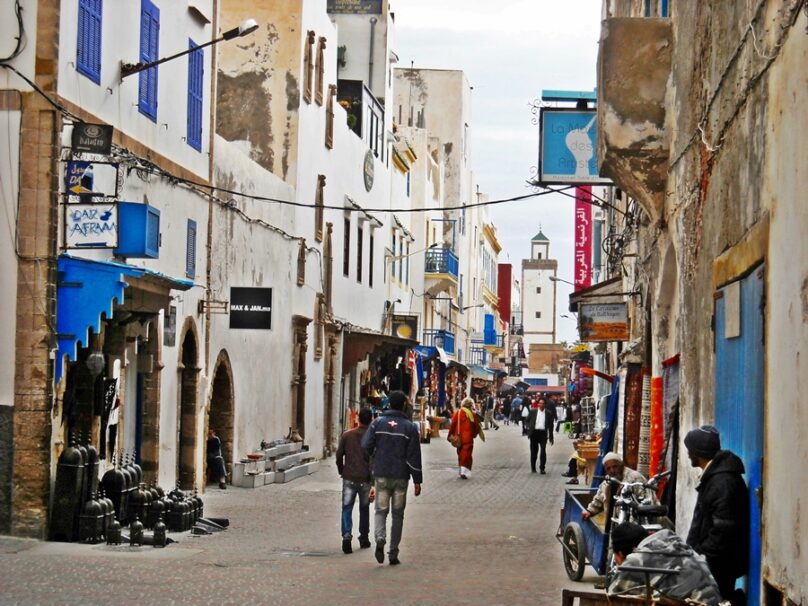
column 466, row 424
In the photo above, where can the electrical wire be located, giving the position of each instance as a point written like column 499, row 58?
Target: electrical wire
column 20, row 37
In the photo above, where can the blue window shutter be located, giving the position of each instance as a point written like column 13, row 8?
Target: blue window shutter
column 149, row 51
column 195, row 76
column 190, row 249
column 88, row 43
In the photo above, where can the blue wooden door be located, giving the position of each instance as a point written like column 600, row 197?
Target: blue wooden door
column 739, row 403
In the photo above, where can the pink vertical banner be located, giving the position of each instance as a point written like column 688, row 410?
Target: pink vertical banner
column 583, row 237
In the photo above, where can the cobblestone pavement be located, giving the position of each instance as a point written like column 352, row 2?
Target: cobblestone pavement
column 488, row 540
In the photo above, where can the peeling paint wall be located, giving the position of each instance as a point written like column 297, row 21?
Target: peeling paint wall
column 259, row 83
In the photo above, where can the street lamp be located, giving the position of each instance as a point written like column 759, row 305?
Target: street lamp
column 247, row 27
column 555, row 279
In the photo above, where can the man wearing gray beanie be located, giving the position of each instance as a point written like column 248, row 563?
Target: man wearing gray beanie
column 720, row 527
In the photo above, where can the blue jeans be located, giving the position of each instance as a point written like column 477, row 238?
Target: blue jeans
column 391, row 493
column 349, row 491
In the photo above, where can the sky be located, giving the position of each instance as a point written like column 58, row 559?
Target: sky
column 510, row 51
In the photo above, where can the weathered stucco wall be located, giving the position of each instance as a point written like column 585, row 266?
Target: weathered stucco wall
column 784, row 185
column 259, row 83
column 737, row 166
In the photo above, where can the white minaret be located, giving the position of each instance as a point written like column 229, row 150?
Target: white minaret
column 538, row 293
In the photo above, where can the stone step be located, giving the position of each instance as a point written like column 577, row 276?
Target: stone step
column 283, row 449
column 285, row 462
column 254, row 480
column 249, row 468
column 300, row 471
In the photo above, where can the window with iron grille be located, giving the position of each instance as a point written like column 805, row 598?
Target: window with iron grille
column 190, row 249
column 88, row 45
column 196, row 62
column 149, row 51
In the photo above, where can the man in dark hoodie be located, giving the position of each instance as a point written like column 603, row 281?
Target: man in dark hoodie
column 395, row 446
column 720, row 527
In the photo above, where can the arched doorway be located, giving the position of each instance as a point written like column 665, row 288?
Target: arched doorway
column 186, row 427
column 222, row 405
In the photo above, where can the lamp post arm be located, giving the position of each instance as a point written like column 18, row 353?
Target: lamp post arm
column 127, row 69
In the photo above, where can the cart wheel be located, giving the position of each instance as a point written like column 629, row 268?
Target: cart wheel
column 573, row 551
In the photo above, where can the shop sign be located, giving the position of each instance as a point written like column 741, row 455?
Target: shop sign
column 170, row 327
column 358, row 7
column 603, row 321
column 251, row 308
column 92, row 138
column 91, row 226
column 90, row 181
column 583, row 237
column 567, row 147
column 367, row 169
column 405, row 327
column 79, row 178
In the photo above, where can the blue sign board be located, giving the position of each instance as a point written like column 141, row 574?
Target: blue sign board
column 567, row 147
column 79, row 177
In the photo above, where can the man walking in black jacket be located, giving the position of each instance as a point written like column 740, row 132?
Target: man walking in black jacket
column 539, row 429
column 720, row 527
column 395, row 446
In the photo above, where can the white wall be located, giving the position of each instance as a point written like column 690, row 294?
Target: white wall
column 9, row 30
column 115, row 101
column 9, row 197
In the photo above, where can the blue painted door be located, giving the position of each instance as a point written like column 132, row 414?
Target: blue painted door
column 739, row 403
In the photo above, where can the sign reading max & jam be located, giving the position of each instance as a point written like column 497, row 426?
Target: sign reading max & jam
column 251, row 308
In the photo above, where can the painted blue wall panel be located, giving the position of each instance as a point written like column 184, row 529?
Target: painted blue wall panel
column 739, row 402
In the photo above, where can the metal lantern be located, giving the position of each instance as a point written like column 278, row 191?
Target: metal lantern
column 91, row 522
column 136, row 532
column 159, row 532
column 68, row 492
column 114, row 532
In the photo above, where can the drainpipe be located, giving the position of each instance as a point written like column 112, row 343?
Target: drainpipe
column 373, row 21
column 211, row 171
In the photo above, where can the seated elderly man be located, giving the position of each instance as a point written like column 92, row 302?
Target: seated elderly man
column 690, row 578
column 616, row 470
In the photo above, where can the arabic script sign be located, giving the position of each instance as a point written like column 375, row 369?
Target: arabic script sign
column 583, row 237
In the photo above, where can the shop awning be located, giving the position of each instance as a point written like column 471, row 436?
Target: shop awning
column 479, row 372
column 608, row 291
column 87, row 289
column 359, row 342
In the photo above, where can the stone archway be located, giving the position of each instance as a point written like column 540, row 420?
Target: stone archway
column 187, row 406
column 222, row 405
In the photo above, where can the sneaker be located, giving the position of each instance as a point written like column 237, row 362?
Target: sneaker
column 463, row 476
column 346, row 546
column 573, row 481
column 222, row 485
column 379, row 552
column 364, row 543
column 542, row 472
column 394, row 561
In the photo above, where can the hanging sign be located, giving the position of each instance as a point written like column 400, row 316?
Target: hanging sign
column 361, row 7
column 405, row 327
column 251, row 308
column 583, row 237
column 91, row 226
column 603, row 321
column 367, row 170
column 92, row 138
column 79, row 178
column 567, row 147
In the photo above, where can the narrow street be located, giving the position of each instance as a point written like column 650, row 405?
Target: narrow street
column 489, row 540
